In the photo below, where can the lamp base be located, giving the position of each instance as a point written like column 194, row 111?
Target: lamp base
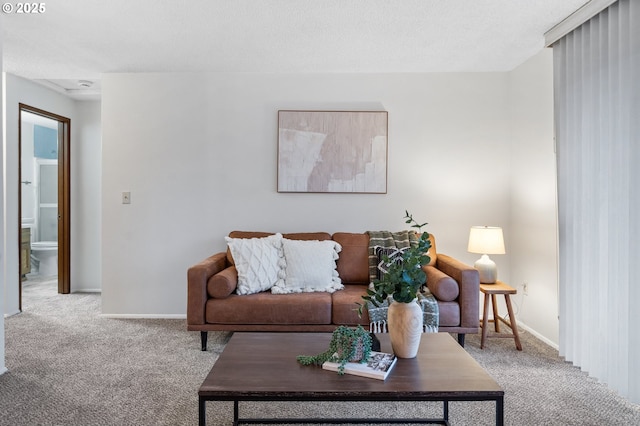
column 487, row 269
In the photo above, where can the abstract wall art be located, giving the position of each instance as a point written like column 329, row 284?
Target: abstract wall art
column 332, row 151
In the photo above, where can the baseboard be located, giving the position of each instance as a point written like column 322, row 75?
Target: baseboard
column 10, row 314
column 144, row 316
column 3, row 370
column 538, row 335
column 88, row 290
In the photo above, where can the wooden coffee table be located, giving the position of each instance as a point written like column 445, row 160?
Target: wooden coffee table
column 263, row 367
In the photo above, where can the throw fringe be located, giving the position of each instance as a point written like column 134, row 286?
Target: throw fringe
column 381, row 327
column 378, row 327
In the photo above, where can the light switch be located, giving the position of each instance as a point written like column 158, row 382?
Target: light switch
column 126, row 198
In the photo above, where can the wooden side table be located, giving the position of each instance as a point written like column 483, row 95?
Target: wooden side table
column 490, row 291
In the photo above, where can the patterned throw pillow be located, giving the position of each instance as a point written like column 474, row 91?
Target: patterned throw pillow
column 394, row 254
column 308, row 266
column 257, row 261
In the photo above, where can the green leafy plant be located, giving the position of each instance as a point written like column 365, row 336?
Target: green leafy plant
column 347, row 344
column 409, row 219
column 403, row 280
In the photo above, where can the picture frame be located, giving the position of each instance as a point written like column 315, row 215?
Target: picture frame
column 332, row 151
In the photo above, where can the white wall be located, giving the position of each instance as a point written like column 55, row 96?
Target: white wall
column 86, row 165
column 532, row 239
column 19, row 90
column 198, row 153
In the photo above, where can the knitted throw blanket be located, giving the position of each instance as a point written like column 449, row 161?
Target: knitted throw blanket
column 393, row 244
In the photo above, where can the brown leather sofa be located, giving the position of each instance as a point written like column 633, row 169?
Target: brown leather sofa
column 213, row 305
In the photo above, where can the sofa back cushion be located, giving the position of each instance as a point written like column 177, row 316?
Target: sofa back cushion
column 320, row 236
column 433, row 254
column 353, row 263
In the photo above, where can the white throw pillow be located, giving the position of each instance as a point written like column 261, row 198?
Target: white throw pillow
column 308, row 266
column 257, row 261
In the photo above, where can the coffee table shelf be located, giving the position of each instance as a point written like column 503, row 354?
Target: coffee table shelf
column 263, row 367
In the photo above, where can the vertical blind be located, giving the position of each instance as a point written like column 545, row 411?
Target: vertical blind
column 597, row 113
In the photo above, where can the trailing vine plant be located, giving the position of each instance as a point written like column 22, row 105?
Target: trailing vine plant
column 347, row 344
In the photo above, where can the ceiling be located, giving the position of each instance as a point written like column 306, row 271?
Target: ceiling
column 81, row 39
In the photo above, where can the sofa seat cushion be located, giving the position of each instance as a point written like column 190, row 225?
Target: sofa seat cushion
column 267, row 308
column 345, row 309
column 449, row 314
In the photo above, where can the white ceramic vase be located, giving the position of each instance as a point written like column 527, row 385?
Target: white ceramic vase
column 405, row 328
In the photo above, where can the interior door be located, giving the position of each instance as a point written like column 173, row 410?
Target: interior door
column 60, row 208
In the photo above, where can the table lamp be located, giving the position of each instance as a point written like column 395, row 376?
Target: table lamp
column 486, row 240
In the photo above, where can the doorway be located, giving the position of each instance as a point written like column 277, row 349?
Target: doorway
column 44, row 196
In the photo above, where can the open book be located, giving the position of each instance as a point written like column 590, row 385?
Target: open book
column 377, row 367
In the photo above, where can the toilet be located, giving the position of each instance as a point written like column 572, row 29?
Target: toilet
column 46, row 255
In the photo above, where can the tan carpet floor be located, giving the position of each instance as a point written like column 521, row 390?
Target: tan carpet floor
column 70, row 366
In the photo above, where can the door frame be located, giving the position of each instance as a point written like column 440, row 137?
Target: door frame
column 64, row 194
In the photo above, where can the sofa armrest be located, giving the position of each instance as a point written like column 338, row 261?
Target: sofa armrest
column 197, row 277
column 468, row 279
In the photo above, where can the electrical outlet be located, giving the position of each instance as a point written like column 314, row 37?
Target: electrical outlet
column 525, row 288
column 126, row 198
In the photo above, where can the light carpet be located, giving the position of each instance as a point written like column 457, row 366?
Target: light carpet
column 69, row 366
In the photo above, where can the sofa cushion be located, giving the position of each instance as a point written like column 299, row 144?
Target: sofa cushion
column 345, row 308
column 353, row 264
column 317, row 236
column 223, row 283
column 271, row 309
column 321, row 236
column 257, row 261
column 392, row 253
column 308, row 266
column 433, row 253
column 449, row 314
column 441, row 285
column 244, row 234
column 395, row 255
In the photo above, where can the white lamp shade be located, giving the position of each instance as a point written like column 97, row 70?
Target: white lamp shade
column 486, row 240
